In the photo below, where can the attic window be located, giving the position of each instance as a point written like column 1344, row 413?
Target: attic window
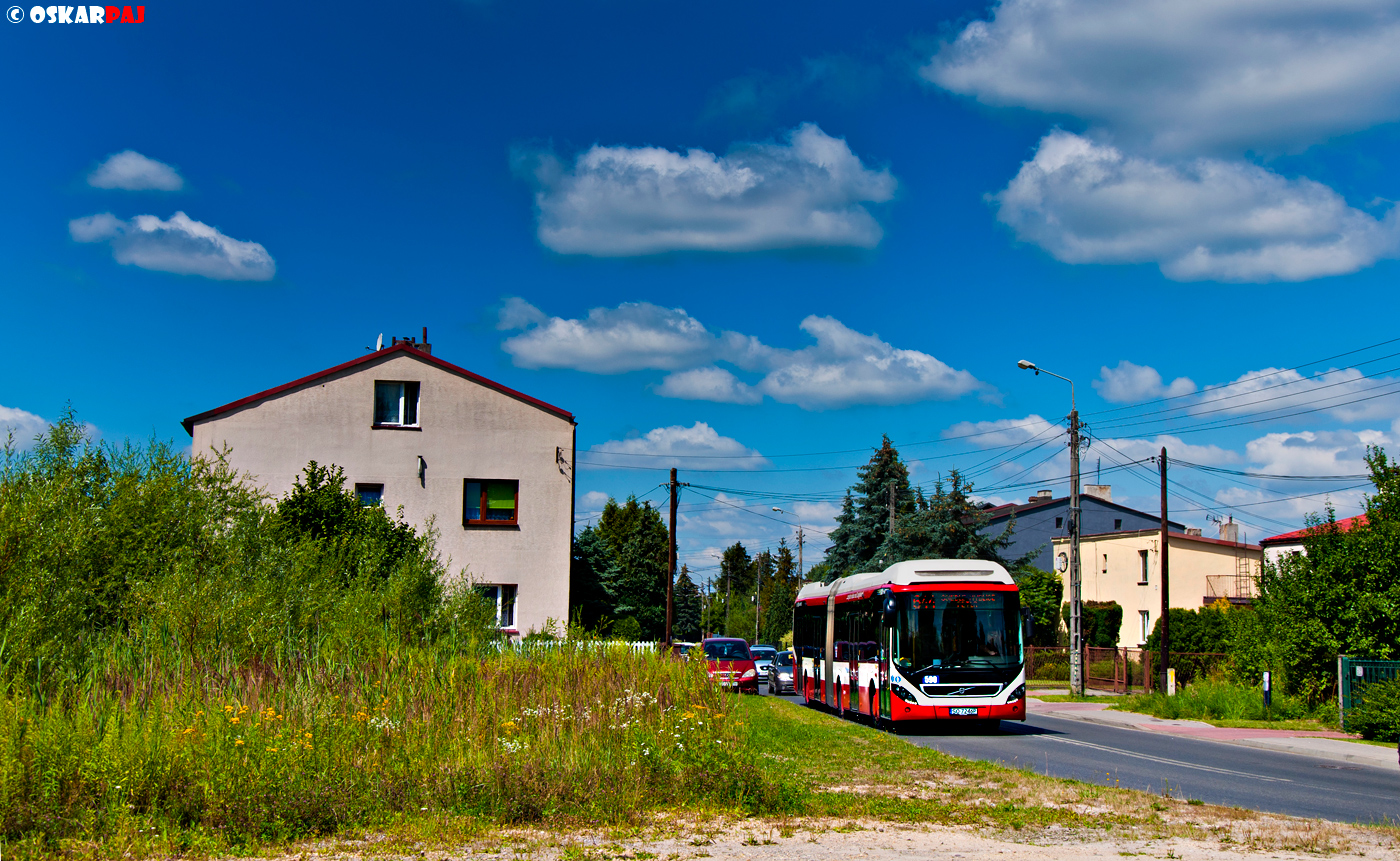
column 1059, row 521
column 1117, row 524
column 395, row 404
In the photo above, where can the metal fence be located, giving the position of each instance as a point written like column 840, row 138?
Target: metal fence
column 1119, row 670
column 1354, row 674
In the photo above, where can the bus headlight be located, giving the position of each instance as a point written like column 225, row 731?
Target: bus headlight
column 1019, row 693
column 902, row 692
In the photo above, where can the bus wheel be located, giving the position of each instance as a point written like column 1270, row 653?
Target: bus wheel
column 874, row 702
column 840, row 701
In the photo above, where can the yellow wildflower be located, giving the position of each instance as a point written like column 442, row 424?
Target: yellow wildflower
column 233, row 719
column 240, row 741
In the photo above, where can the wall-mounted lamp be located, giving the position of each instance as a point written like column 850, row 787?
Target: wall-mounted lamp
column 422, row 472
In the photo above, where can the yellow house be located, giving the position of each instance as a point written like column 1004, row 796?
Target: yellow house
column 1127, row 567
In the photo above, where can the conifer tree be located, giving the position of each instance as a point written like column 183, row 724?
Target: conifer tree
column 864, row 521
column 685, row 625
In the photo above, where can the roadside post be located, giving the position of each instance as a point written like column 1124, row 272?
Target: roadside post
column 1171, row 681
column 1268, row 695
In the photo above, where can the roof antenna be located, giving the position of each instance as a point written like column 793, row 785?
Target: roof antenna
column 379, row 345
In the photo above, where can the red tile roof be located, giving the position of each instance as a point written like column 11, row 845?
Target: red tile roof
column 408, row 349
column 1297, row 535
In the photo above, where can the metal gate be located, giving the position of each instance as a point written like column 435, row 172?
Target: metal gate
column 1354, row 674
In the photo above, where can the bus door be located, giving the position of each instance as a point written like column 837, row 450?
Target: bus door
column 888, row 615
column 828, row 693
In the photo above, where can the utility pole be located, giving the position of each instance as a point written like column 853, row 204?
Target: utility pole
column 800, row 575
column 1166, row 582
column 671, row 563
column 757, row 599
column 1076, row 609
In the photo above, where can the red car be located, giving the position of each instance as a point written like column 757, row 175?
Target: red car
column 730, row 663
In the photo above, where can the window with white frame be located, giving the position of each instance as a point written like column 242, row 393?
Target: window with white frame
column 504, row 599
column 395, row 404
column 1142, row 567
column 1146, row 625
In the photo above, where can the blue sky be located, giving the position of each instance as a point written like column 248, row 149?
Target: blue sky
column 735, row 237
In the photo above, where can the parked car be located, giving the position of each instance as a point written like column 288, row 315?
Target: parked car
column 762, row 657
column 682, row 650
column 780, row 674
column 730, row 663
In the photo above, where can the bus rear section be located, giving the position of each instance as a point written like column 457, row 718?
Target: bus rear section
column 923, row 640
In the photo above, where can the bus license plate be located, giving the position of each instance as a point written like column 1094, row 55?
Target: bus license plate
column 963, row 711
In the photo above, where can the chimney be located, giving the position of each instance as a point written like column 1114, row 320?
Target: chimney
column 1042, row 495
column 1230, row 531
column 1194, row 531
column 425, row 346
column 1101, row 491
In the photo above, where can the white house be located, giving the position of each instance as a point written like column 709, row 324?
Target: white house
column 492, row 468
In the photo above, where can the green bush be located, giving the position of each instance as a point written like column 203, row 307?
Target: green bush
column 1102, row 622
column 1203, row 630
column 1214, row 699
column 1378, row 715
column 185, row 664
column 1041, row 592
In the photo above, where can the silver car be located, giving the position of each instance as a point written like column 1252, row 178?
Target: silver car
column 762, row 657
column 780, row 674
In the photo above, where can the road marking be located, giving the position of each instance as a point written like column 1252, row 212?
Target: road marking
column 1166, row 761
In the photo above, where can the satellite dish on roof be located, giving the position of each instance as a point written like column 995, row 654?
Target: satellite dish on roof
column 379, row 345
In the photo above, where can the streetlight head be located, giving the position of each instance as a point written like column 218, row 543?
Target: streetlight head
column 1025, row 365
column 779, row 510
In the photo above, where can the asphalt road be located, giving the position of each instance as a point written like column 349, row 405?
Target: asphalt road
column 1214, row 772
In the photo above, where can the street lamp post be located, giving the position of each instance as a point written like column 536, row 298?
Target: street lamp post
column 1076, row 614
column 800, row 573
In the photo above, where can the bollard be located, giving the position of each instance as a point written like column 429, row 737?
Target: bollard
column 1171, row 681
column 1268, row 694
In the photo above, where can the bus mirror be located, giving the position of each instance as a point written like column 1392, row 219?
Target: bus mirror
column 891, row 608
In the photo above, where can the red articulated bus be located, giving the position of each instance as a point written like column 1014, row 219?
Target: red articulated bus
column 936, row 639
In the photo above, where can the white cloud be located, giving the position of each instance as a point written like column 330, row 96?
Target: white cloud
column 620, row 201
column 1127, row 383
column 132, row 171
column 181, row 245
column 24, row 425
column 1344, row 394
column 1142, row 449
column 592, row 501
column 1207, row 219
column 1338, row 452
column 843, row 368
column 1000, row 432
column 632, row 336
column 1187, row 76
column 708, row 384
column 846, row 367
column 668, row 446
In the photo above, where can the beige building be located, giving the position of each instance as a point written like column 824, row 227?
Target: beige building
column 491, row 467
column 1127, row 567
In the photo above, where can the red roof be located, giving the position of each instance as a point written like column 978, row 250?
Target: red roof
column 1297, row 535
column 410, row 350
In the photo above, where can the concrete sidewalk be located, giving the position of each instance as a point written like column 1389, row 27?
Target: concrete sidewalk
column 1322, row 744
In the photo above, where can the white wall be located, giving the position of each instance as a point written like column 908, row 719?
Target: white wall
column 467, row 430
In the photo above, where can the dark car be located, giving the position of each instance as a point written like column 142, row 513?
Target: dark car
column 730, row 663
column 762, row 657
column 780, row 674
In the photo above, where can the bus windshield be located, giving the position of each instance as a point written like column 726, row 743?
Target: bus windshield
column 958, row 629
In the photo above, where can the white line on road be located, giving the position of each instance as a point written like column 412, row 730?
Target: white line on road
column 1164, row 760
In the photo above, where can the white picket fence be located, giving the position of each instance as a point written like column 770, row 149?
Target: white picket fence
column 531, row 647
